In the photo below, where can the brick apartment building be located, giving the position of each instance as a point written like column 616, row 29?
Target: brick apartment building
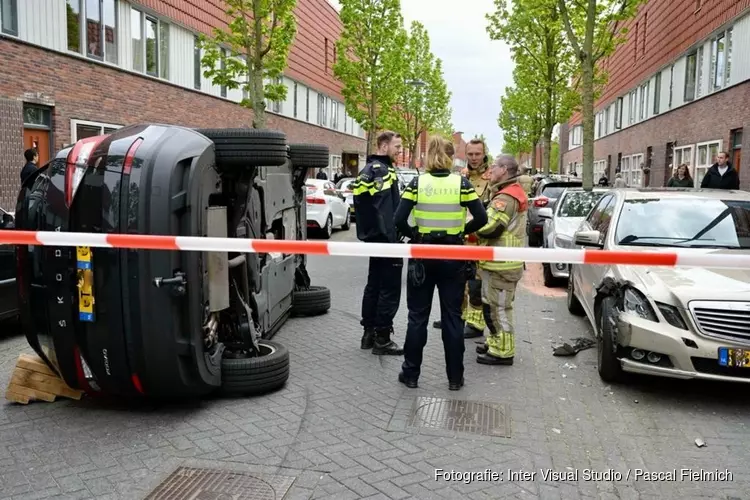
column 73, row 68
column 678, row 92
column 459, row 159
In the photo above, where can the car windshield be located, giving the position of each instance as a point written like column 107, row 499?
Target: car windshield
column 685, row 222
column 578, row 203
column 555, row 190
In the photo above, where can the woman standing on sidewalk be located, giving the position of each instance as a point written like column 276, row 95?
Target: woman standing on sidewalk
column 681, row 178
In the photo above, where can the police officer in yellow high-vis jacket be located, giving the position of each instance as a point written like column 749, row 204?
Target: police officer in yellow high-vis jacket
column 506, row 227
column 439, row 200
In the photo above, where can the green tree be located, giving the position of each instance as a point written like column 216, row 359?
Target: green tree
column 535, row 33
column 443, row 126
column 521, row 117
column 593, row 29
column 422, row 97
column 554, row 155
column 252, row 52
column 369, row 62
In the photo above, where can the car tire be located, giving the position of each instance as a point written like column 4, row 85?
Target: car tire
column 574, row 305
column 327, row 230
column 313, row 301
column 258, row 375
column 309, row 155
column 608, row 366
column 348, row 223
column 549, row 280
column 238, row 148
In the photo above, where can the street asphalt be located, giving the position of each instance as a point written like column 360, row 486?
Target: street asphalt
column 344, row 428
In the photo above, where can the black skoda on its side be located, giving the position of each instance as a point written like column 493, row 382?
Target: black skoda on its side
column 166, row 323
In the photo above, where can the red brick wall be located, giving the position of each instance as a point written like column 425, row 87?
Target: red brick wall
column 703, row 120
column 316, row 21
column 88, row 91
column 671, row 28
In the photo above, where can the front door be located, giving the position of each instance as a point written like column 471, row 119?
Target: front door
column 737, row 148
column 39, row 139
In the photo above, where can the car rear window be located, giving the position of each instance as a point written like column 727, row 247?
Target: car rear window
column 555, row 190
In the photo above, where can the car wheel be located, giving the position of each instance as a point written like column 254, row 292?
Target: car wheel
column 309, row 155
column 574, row 305
column 313, row 301
column 238, row 148
column 348, row 222
column 549, row 280
column 328, row 229
column 609, row 367
column 256, row 375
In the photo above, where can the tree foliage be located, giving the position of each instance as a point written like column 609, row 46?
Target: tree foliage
column 369, row 61
column 594, row 28
column 443, row 125
column 251, row 53
column 544, row 63
column 520, row 117
column 422, row 96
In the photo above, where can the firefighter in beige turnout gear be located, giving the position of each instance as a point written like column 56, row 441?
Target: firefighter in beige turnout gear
column 506, row 227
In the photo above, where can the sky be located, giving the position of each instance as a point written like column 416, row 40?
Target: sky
column 476, row 69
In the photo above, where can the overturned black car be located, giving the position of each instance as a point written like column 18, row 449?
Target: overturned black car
column 167, row 323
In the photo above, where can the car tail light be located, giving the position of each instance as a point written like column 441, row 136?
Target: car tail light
column 77, row 163
column 541, row 201
column 130, row 155
column 316, row 201
column 85, row 377
column 137, row 383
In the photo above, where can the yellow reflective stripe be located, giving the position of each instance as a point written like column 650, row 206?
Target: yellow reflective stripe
column 409, row 195
column 466, row 197
column 494, row 215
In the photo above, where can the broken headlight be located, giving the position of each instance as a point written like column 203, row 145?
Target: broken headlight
column 635, row 302
column 672, row 315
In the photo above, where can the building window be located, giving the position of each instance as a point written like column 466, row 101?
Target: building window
column 632, row 103
column 576, row 136
column 600, row 124
column 657, row 93
column 80, row 129
column 9, row 16
column 334, row 115
column 37, row 117
column 721, row 47
column 671, row 84
column 618, row 113
column 223, row 68
column 699, row 71
column 325, row 52
column 322, row 110
column 643, row 108
column 636, row 171
column 691, row 68
column 295, row 99
column 684, row 155
column 705, row 156
column 155, row 51
column 100, row 33
column 196, row 63
column 607, row 115
column 277, row 106
column 599, row 169
column 307, row 104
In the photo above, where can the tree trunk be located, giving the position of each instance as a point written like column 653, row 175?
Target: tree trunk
column 412, row 155
column 546, row 149
column 587, row 105
column 259, row 105
column 533, row 155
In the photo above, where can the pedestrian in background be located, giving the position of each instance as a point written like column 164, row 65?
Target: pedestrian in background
column 32, row 163
column 376, row 196
column 439, row 200
column 526, row 181
column 721, row 175
column 321, row 175
column 619, row 181
column 681, row 178
column 507, row 213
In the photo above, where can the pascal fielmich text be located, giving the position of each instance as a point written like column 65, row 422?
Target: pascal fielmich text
column 607, row 475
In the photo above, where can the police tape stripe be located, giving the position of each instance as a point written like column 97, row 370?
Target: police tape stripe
column 685, row 258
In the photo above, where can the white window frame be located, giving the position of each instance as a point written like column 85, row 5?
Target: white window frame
column 625, row 169
column 686, row 97
column 14, row 29
column 145, row 17
column 643, row 101
column 75, row 122
column 607, row 115
column 632, row 106
column 619, row 105
column 636, row 171
column 727, row 55
column 600, row 166
column 690, row 160
column 576, row 136
column 701, row 169
column 599, row 124
column 83, row 33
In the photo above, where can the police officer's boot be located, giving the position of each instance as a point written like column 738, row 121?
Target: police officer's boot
column 368, row 339
column 384, row 345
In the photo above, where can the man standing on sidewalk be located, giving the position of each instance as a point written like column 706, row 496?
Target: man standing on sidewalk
column 506, row 227
column 32, row 159
column 721, row 175
column 376, row 196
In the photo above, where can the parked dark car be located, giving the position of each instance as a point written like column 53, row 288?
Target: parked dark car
column 547, row 192
column 162, row 323
column 8, row 290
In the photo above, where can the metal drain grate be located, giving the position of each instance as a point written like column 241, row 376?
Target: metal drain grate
column 488, row 419
column 213, row 484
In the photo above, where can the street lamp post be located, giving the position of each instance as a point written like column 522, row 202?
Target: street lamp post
column 418, row 85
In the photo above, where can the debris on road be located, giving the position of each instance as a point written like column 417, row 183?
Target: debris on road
column 700, row 443
column 556, row 431
column 580, row 344
column 569, row 366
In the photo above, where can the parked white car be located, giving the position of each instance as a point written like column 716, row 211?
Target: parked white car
column 560, row 223
column 344, row 188
column 688, row 323
column 326, row 209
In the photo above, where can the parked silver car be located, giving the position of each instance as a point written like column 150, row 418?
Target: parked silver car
column 560, row 224
column 547, row 192
column 688, row 323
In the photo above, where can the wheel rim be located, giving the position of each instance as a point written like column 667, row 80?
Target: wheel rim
column 329, row 225
column 570, row 292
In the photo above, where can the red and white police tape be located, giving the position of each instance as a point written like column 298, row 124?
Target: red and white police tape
column 637, row 257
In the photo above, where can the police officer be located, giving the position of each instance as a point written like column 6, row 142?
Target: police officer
column 376, row 196
column 439, row 200
column 478, row 175
column 506, row 227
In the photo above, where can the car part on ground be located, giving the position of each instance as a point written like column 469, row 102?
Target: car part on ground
column 243, row 375
column 163, row 323
column 311, row 302
column 687, row 323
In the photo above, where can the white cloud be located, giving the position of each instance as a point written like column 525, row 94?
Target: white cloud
column 476, row 69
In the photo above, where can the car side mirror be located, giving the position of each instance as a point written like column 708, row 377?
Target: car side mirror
column 545, row 213
column 588, row 239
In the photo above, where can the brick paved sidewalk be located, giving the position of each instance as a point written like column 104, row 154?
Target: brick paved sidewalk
column 340, row 429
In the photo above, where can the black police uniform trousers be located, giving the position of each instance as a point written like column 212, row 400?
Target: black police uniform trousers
column 449, row 276
column 382, row 292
